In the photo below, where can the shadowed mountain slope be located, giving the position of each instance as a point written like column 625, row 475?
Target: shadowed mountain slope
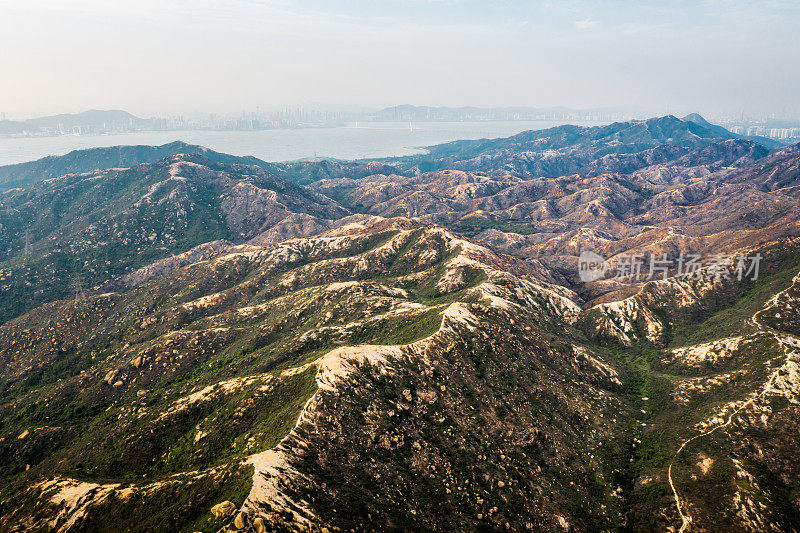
column 65, row 235
column 92, row 159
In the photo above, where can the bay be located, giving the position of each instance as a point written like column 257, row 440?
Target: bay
column 353, row 141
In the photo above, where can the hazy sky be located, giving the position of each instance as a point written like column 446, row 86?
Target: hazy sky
column 160, row 57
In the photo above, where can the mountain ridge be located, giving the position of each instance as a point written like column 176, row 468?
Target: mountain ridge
column 91, row 159
column 222, row 347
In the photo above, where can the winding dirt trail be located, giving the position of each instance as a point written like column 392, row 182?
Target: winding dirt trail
column 789, row 343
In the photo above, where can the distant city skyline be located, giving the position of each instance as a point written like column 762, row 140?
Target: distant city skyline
column 355, row 110
column 103, row 122
column 358, row 112
column 149, row 57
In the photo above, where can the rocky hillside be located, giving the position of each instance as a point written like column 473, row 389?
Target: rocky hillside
column 720, row 197
column 723, row 358
column 190, row 345
column 63, row 236
column 93, row 159
column 221, row 356
column 618, row 147
column 424, row 382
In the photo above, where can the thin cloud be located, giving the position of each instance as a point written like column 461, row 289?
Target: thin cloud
column 585, row 24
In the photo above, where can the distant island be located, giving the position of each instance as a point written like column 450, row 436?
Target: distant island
column 87, row 122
